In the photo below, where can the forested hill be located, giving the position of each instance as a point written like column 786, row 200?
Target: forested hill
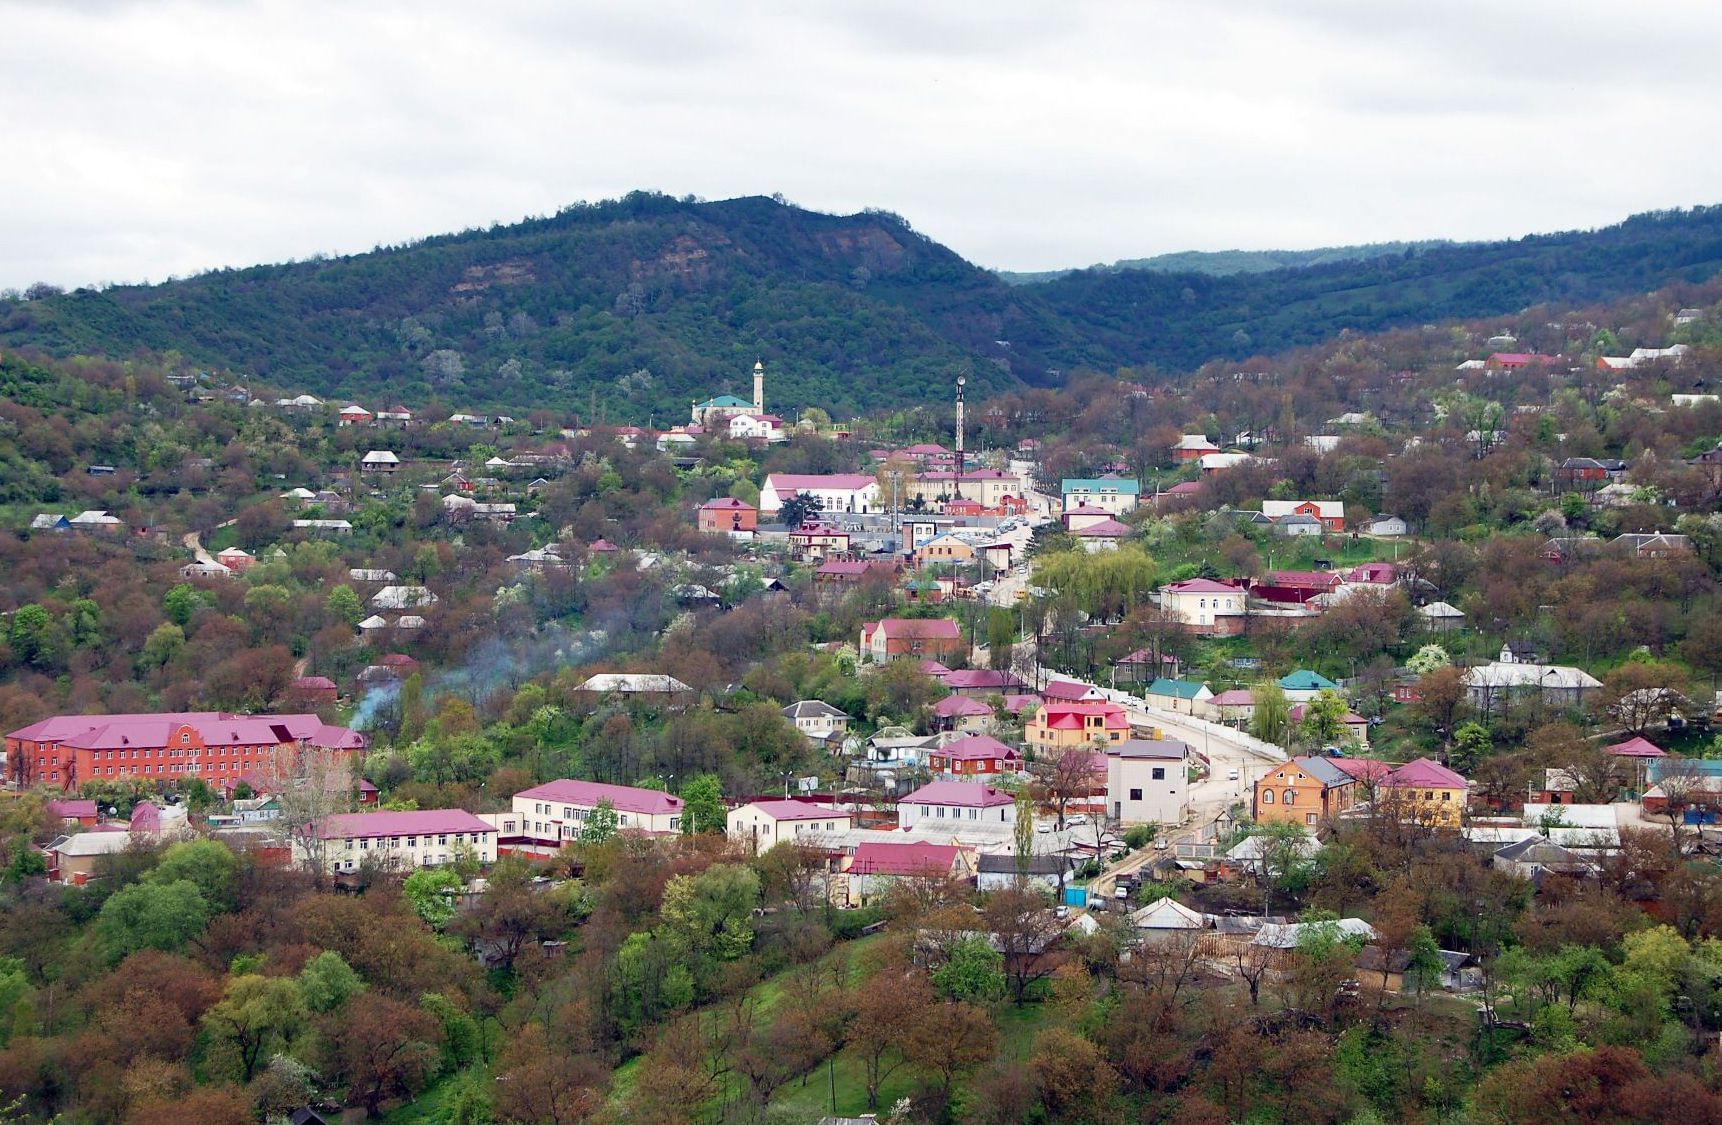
column 1225, row 262
column 1180, row 321
column 636, row 306
column 630, row 309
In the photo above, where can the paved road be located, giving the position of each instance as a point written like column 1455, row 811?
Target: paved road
column 1228, row 752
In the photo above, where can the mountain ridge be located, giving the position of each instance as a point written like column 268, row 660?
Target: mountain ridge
column 649, row 302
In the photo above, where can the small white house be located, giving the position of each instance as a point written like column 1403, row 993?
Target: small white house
column 950, row 801
column 379, row 461
column 1387, row 527
column 818, row 720
column 761, row 825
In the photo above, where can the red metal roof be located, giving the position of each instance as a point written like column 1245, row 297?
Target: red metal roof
column 919, row 628
column 785, row 809
column 1203, row 586
column 882, row 858
column 1638, row 747
column 974, row 748
column 622, row 798
column 417, row 822
column 1423, row 772
column 112, row 732
column 957, row 706
column 959, row 794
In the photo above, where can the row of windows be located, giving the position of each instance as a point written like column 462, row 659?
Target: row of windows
column 214, row 769
column 1268, row 796
column 412, row 841
column 426, row 860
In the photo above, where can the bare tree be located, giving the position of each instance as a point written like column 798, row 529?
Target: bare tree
column 1063, row 776
column 1684, row 787
column 310, row 784
column 1024, row 929
column 1253, row 962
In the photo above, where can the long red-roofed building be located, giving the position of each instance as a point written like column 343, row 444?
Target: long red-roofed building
column 547, row 816
column 402, row 841
column 67, row 750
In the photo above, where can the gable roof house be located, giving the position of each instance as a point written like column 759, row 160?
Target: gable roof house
column 962, row 713
column 1116, row 495
column 953, row 801
column 1206, row 607
column 379, row 461
column 937, row 637
column 1191, row 447
column 975, row 755
column 1330, row 514
column 822, row 723
column 1306, row 790
column 1182, row 696
column 1489, row 686
column 1303, row 685
column 1064, row 725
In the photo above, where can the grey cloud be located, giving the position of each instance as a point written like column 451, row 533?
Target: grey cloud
column 165, row 138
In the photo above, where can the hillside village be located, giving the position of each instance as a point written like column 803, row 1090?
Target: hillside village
column 1376, row 677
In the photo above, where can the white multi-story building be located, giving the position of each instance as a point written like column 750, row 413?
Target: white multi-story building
column 1148, row 781
column 845, row 493
column 547, row 816
column 401, row 841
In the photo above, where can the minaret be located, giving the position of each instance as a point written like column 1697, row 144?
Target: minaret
column 961, row 382
column 759, row 388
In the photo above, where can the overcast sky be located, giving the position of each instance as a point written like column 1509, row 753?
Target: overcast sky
column 146, row 138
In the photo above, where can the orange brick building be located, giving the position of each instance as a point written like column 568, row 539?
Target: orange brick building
column 67, row 750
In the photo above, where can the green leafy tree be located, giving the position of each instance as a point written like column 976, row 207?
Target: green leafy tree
column 1324, row 721
column 84, row 617
column 1270, row 714
column 344, row 605
column 151, row 916
column 327, row 982
column 180, row 603
column 162, row 645
column 32, row 637
column 600, row 825
column 254, row 1016
column 206, row 864
column 1471, row 744
column 799, row 509
column 973, row 970
column 702, row 805
column 431, row 892
column 711, row 914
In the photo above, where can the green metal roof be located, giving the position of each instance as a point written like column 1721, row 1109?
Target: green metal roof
column 1305, row 680
column 1180, row 689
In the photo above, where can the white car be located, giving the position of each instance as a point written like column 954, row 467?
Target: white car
column 1232, row 776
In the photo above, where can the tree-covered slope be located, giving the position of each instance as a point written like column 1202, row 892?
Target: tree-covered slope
column 1183, row 320
column 630, row 309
